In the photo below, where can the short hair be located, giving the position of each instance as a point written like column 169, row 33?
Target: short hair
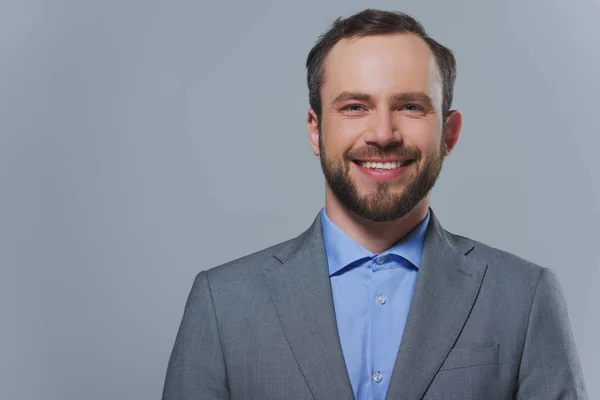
column 371, row 22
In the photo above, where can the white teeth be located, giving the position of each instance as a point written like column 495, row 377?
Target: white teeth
column 379, row 165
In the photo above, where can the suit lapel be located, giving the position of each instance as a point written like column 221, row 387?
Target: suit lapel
column 447, row 285
column 301, row 293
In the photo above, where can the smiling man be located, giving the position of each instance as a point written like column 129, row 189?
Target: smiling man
column 375, row 299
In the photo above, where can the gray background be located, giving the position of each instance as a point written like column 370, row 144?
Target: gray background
column 144, row 141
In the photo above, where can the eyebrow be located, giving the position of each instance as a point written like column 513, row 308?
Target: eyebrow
column 397, row 97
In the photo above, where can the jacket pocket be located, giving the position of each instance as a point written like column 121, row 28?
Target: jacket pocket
column 471, row 356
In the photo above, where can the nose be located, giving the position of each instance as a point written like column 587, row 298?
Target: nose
column 382, row 130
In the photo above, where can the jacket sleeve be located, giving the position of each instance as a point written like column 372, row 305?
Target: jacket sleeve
column 196, row 368
column 549, row 366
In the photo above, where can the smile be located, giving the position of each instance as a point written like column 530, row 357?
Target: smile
column 383, row 165
column 382, row 171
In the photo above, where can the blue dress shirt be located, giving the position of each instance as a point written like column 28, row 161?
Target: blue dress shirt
column 371, row 297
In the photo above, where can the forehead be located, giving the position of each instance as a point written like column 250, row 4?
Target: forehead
column 381, row 65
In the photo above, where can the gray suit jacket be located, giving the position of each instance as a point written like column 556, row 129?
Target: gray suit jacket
column 483, row 324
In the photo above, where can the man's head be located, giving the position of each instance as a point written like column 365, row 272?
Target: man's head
column 380, row 90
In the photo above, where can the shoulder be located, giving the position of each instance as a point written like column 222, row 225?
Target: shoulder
column 507, row 270
column 512, row 284
column 249, row 268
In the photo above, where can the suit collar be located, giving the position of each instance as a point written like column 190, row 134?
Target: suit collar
column 447, row 285
column 435, row 236
column 301, row 293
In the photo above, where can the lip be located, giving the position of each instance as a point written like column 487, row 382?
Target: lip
column 382, row 175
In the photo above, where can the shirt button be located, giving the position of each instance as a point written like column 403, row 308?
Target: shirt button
column 381, row 299
column 377, row 377
column 380, row 260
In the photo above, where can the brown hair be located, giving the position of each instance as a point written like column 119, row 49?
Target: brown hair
column 372, row 22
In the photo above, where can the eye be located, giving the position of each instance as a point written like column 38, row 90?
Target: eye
column 353, row 107
column 412, row 107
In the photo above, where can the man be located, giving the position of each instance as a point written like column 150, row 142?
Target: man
column 376, row 300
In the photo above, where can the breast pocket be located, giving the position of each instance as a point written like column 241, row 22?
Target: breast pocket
column 462, row 357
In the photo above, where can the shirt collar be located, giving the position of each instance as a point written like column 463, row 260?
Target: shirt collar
column 342, row 251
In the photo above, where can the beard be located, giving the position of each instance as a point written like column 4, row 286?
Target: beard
column 383, row 204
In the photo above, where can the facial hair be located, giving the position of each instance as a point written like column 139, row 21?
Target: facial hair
column 382, row 205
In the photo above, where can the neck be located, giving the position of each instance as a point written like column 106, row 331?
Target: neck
column 374, row 236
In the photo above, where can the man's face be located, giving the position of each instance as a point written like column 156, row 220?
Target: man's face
column 381, row 132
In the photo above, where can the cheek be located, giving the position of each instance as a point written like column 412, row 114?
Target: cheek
column 340, row 135
column 422, row 134
column 348, row 128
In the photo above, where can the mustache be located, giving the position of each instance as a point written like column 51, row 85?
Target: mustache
column 383, row 152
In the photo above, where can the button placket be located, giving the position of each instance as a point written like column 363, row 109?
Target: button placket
column 378, row 264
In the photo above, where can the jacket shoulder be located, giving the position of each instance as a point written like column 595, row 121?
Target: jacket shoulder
column 503, row 265
column 250, row 266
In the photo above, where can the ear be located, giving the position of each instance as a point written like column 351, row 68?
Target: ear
column 452, row 128
column 312, row 125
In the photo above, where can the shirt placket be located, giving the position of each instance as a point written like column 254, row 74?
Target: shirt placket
column 378, row 300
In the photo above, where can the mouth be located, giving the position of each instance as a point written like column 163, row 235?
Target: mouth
column 383, row 170
column 383, row 165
